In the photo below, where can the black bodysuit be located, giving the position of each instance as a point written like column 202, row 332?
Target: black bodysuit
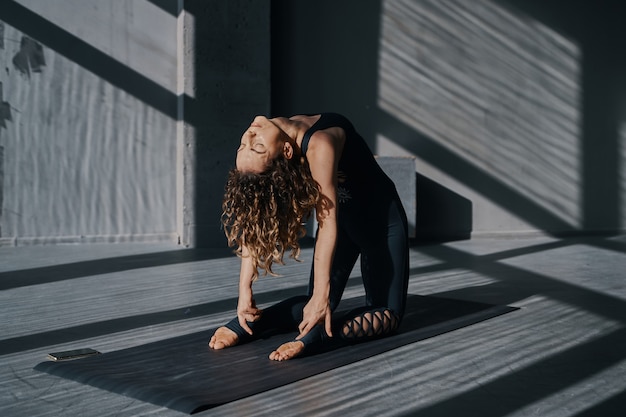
column 371, row 222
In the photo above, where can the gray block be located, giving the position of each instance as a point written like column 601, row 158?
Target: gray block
column 401, row 170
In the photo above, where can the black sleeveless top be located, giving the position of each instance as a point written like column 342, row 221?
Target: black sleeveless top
column 360, row 178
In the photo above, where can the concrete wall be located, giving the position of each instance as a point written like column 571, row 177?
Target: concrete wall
column 227, row 83
column 88, row 131
column 120, row 119
column 514, row 110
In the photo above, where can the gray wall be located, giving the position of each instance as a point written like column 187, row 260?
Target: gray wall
column 88, row 135
column 119, row 119
column 514, row 110
column 227, row 83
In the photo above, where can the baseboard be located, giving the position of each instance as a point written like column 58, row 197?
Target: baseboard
column 530, row 234
column 73, row 240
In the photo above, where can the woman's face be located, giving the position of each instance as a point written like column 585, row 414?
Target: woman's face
column 262, row 142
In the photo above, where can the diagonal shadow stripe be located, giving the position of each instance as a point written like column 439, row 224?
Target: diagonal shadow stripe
column 518, row 389
column 89, row 330
column 599, row 243
column 470, row 175
column 56, row 273
column 613, row 406
column 173, row 7
column 605, row 244
column 491, row 257
column 521, row 388
column 514, row 284
column 90, row 58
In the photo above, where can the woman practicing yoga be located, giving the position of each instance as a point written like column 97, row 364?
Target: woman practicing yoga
column 285, row 168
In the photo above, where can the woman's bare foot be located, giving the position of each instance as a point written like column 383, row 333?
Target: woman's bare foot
column 287, row 351
column 223, row 338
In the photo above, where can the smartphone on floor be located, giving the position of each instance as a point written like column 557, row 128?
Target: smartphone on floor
column 72, row 354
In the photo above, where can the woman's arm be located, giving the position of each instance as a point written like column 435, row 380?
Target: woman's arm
column 246, row 307
column 323, row 157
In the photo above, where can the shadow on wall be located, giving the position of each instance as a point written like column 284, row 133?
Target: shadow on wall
column 598, row 30
column 131, row 71
column 497, row 91
column 1, row 185
column 513, row 102
column 231, row 84
column 516, row 102
column 442, row 215
column 89, row 154
column 345, row 81
column 29, row 58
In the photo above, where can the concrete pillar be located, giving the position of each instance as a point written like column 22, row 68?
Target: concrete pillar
column 226, row 77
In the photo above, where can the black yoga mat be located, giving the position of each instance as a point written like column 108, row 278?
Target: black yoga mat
column 184, row 374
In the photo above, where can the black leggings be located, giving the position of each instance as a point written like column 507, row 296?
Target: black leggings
column 380, row 237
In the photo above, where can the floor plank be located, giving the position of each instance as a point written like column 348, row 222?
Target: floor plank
column 562, row 354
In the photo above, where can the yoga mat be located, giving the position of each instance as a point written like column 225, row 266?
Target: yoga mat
column 184, row 374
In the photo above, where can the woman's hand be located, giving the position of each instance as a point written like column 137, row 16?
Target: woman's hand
column 316, row 311
column 247, row 311
column 246, row 307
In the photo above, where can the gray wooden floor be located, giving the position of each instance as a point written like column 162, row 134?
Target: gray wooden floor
column 562, row 354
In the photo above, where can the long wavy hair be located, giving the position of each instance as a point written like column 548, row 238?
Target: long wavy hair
column 266, row 211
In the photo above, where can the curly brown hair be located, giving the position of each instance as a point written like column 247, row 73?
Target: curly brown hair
column 266, row 211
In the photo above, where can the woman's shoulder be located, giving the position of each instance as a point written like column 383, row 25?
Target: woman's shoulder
column 326, row 141
column 324, row 132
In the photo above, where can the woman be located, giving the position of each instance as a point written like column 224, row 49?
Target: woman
column 285, row 168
